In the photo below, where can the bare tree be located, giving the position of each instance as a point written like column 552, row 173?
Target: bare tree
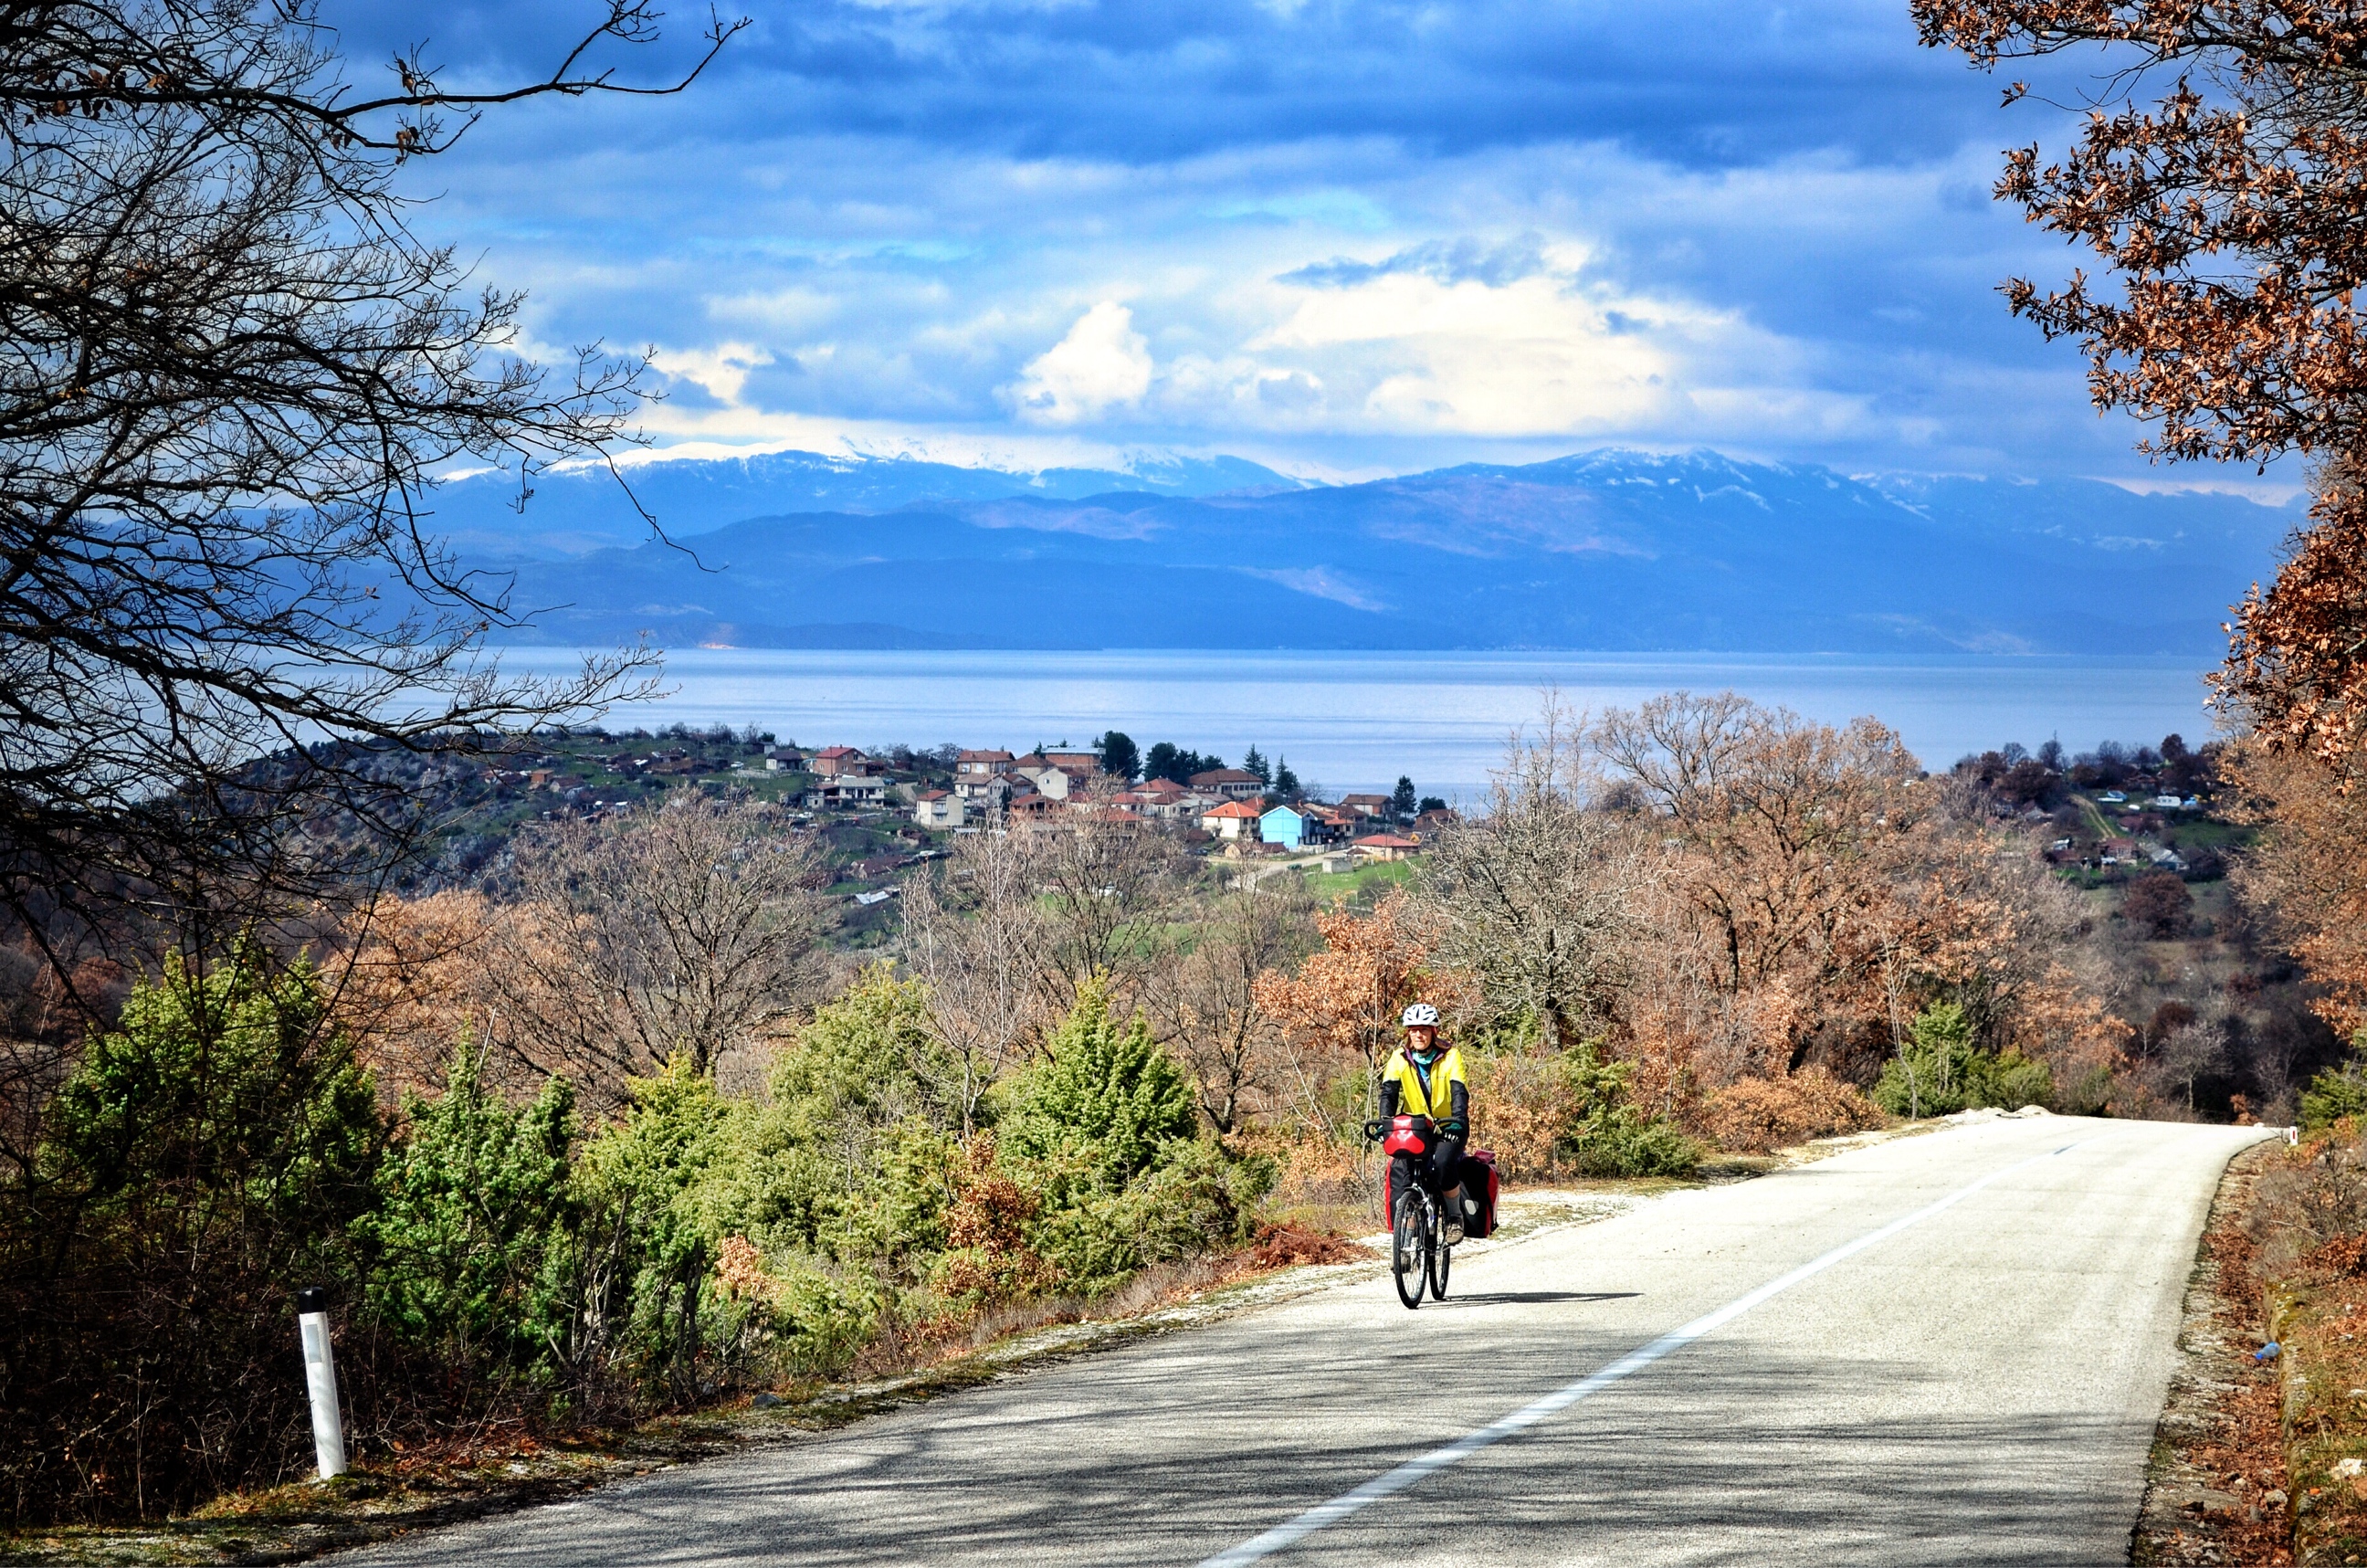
column 1203, row 1005
column 1106, row 877
column 1775, row 824
column 678, row 929
column 972, row 936
column 229, row 377
column 1533, row 897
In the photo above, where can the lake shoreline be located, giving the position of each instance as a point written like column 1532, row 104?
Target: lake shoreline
column 1357, row 720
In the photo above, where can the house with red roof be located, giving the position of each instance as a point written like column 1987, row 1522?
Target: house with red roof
column 1234, row 819
column 1231, row 783
column 940, row 808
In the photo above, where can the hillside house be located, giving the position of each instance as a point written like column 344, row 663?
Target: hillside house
column 974, row 772
column 1371, row 806
column 1328, row 824
column 1284, row 825
column 1160, row 799
column 1045, row 777
column 842, row 762
column 1079, row 764
column 845, row 792
column 784, row 759
column 1233, row 819
column 1033, row 810
column 1387, row 847
column 1229, row 783
column 940, row 808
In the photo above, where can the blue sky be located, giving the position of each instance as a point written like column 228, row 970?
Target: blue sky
column 1343, row 237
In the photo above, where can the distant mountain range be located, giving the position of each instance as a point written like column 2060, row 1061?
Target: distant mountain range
column 1609, row 551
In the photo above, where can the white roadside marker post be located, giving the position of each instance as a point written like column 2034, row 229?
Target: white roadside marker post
column 320, row 1381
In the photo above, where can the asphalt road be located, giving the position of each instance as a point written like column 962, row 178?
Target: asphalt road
column 1962, row 1361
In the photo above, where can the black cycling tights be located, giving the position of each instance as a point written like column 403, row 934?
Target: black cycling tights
column 1446, row 1163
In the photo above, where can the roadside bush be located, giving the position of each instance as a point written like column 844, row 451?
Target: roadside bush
column 1103, row 1137
column 1567, row 1112
column 2338, row 1091
column 1757, row 1116
column 1940, row 1071
column 851, row 1166
column 203, row 1161
column 651, row 1241
column 2308, row 1199
column 469, row 1250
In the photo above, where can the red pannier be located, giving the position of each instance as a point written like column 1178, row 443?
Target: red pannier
column 1487, row 1225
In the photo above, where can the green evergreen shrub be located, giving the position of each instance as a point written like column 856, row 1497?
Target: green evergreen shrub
column 1103, row 1136
column 201, row 1162
column 649, row 1243
column 472, row 1246
column 1604, row 1135
column 2337, row 1091
column 1940, row 1071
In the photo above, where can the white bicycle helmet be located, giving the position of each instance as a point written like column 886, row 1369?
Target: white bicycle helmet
column 1420, row 1015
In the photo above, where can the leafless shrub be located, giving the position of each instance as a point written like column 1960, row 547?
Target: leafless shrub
column 1203, row 1004
column 1104, row 879
column 972, row 934
column 1535, row 896
column 678, row 929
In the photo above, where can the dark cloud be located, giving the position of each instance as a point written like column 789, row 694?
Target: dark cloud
column 1700, row 83
column 904, row 204
column 1464, row 260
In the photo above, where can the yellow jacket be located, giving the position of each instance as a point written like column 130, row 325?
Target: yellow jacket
column 1427, row 1091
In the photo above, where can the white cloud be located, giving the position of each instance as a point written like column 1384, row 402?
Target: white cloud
column 1537, row 355
column 722, row 370
column 1104, row 364
column 1336, row 306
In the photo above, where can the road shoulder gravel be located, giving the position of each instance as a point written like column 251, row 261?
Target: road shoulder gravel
column 2216, row 1488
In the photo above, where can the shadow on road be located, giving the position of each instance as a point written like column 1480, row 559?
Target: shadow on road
column 1726, row 1455
column 1529, row 1298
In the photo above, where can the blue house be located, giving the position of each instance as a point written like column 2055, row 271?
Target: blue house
column 1284, row 826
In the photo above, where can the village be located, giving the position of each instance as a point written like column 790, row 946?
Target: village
column 878, row 812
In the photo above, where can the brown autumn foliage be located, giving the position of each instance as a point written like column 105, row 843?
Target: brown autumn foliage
column 2227, row 211
column 2297, row 665
column 2308, row 875
column 1758, row 1115
column 412, row 977
column 686, row 928
column 1773, row 825
column 2159, row 903
column 1342, row 1007
column 1812, row 894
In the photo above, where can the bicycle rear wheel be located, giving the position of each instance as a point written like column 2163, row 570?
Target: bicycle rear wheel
column 1410, row 1248
column 1441, row 1255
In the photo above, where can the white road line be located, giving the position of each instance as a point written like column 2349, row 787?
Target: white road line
column 1284, row 1535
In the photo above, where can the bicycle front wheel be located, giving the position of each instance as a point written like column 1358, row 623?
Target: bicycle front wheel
column 1410, row 1248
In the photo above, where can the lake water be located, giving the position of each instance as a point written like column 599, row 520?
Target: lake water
column 1357, row 721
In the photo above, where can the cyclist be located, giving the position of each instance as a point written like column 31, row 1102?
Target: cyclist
column 1424, row 1080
